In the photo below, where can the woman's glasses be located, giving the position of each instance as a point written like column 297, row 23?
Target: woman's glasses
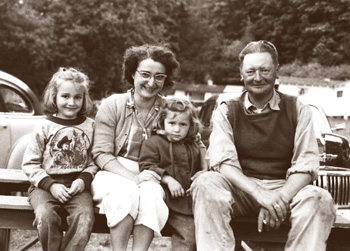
column 158, row 78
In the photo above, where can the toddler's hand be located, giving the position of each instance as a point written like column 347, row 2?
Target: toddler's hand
column 60, row 192
column 174, row 186
column 77, row 186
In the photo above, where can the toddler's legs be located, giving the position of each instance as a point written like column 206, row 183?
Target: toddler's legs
column 80, row 221
column 47, row 221
column 183, row 237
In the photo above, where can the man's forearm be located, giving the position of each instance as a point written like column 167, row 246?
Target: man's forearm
column 239, row 179
column 294, row 184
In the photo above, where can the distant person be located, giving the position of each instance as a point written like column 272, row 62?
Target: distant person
column 132, row 200
column 56, row 181
column 264, row 156
column 174, row 153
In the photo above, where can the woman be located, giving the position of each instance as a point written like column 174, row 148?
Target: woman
column 132, row 201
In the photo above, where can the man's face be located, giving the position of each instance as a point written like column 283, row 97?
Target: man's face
column 259, row 74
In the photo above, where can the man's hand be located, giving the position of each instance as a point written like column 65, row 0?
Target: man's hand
column 274, row 210
column 60, row 192
column 174, row 186
column 77, row 186
column 266, row 221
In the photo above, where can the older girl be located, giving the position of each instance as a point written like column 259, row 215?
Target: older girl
column 58, row 165
column 132, row 200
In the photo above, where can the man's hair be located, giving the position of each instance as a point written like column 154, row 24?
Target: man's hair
column 259, row 46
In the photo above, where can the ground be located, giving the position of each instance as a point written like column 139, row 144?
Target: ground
column 98, row 242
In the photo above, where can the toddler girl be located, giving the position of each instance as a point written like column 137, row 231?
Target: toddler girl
column 175, row 154
column 58, row 164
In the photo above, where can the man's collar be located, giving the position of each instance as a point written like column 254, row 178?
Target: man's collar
column 273, row 103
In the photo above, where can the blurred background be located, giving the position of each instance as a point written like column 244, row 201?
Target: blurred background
column 38, row 36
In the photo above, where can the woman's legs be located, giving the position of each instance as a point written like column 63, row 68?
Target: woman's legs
column 152, row 216
column 153, row 212
column 118, row 198
column 143, row 237
column 120, row 233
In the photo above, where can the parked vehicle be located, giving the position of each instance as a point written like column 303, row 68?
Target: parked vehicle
column 334, row 149
column 20, row 110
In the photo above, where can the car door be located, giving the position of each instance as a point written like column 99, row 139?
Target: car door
column 16, row 118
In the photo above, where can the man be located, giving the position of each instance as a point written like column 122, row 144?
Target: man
column 264, row 153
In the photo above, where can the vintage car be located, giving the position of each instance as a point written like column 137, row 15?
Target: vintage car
column 20, row 110
column 334, row 149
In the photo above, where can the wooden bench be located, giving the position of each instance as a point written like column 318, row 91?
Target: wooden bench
column 16, row 213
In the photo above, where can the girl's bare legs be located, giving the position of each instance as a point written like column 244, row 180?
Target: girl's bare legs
column 120, row 234
column 143, row 237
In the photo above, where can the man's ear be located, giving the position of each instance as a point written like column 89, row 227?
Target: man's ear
column 240, row 73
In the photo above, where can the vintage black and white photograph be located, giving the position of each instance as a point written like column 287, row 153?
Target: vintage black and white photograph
column 177, row 125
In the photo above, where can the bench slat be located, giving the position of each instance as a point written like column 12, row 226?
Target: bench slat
column 14, row 202
column 13, row 176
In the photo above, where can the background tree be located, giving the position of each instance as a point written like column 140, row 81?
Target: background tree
column 38, row 36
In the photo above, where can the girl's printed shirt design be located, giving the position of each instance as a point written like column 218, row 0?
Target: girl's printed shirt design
column 69, row 148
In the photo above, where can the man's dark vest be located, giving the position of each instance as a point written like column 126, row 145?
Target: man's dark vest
column 264, row 141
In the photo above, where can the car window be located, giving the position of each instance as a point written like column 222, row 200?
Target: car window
column 321, row 124
column 206, row 111
column 13, row 101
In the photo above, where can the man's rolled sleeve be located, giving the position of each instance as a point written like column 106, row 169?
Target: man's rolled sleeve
column 221, row 143
column 306, row 156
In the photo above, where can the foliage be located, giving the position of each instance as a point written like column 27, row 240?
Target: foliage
column 39, row 36
column 316, row 70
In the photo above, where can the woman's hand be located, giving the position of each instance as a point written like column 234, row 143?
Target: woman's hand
column 174, row 186
column 60, row 192
column 77, row 186
column 147, row 175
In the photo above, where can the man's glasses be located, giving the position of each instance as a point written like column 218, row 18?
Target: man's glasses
column 158, row 78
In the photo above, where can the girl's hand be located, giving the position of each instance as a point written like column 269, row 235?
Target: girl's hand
column 174, row 186
column 147, row 175
column 60, row 192
column 77, row 186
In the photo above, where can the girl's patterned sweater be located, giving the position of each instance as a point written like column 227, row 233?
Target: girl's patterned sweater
column 60, row 151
